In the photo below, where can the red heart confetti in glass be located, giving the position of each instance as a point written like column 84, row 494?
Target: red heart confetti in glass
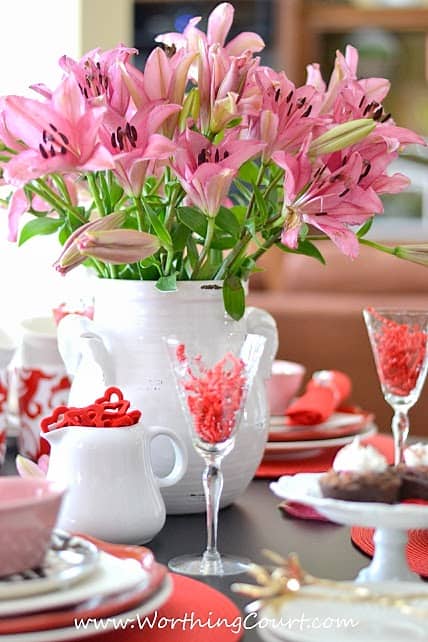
column 213, row 398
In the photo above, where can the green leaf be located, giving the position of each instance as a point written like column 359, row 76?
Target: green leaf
column 223, row 242
column 179, row 235
column 365, row 228
column 38, row 226
column 234, row 297
column 192, row 252
column 150, row 273
column 305, row 247
column 193, row 219
column 158, row 227
column 261, row 203
column 227, row 221
column 167, row 283
column 248, row 172
column 234, row 122
column 239, row 212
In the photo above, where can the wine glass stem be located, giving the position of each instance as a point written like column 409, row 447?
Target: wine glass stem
column 400, row 430
column 213, row 485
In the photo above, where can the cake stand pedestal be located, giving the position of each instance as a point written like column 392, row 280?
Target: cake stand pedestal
column 389, row 560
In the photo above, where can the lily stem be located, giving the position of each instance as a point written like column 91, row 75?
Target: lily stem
column 206, row 247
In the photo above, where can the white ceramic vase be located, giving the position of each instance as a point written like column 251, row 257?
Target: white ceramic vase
column 124, row 346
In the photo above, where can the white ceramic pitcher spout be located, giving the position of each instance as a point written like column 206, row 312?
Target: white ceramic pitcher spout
column 86, row 358
column 112, row 492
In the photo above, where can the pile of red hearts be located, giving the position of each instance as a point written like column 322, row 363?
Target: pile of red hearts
column 110, row 411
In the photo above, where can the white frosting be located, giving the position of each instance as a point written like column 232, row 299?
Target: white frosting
column 357, row 458
column 416, row 455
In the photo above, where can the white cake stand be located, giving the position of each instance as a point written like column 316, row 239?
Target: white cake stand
column 391, row 521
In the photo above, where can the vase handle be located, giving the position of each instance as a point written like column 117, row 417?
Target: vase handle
column 87, row 360
column 261, row 322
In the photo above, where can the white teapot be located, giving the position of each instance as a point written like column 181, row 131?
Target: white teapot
column 112, row 493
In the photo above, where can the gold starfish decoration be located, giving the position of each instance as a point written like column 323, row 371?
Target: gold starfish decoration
column 288, row 578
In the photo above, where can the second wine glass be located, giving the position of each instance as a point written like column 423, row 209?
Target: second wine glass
column 213, row 397
column 399, row 341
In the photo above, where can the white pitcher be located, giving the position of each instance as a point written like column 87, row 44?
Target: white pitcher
column 112, row 493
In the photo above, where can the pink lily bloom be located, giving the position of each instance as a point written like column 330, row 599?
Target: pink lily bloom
column 329, row 200
column 134, row 144
column 206, row 171
column 60, row 135
column 219, row 23
column 348, row 98
column 99, row 75
column 288, row 114
column 20, row 203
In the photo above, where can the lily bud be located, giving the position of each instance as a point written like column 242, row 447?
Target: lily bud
column 341, row 136
column 191, row 107
column 223, row 112
column 70, row 256
column 117, row 246
column 414, row 253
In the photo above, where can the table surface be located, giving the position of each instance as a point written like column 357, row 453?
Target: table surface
column 252, row 523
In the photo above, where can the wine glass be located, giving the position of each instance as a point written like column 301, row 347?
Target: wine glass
column 213, row 394
column 399, row 341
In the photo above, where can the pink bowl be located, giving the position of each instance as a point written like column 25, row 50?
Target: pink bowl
column 28, row 512
column 284, row 384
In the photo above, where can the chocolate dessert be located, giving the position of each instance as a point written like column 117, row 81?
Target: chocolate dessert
column 370, row 486
column 414, row 481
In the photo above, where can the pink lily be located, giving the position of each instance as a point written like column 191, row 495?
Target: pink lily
column 135, row 146
column 71, row 256
column 287, row 114
column 206, row 171
column 329, row 200
column 21, row 203
column 117, row 246
column 99, row 76
column 219, row 24
column 60, row 135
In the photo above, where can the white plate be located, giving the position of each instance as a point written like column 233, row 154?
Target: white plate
column 304, row 488
column 72, row 633
column 68, row 560
column 277, row 447
column 112, row 575
column 315, row 620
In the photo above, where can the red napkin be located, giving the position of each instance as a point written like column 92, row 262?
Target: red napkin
column 295, row 509
column 323, row 395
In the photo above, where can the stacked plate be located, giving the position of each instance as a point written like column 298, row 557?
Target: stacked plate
column 288, row 440
column 80, row 591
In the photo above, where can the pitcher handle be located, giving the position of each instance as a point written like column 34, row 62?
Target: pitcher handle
column 180, row 454
column 261, row 322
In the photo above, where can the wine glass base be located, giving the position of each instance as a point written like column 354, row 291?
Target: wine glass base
column 198, row 565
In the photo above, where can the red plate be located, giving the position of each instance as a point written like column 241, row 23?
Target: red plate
column 358, row 422
column 105, row 607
